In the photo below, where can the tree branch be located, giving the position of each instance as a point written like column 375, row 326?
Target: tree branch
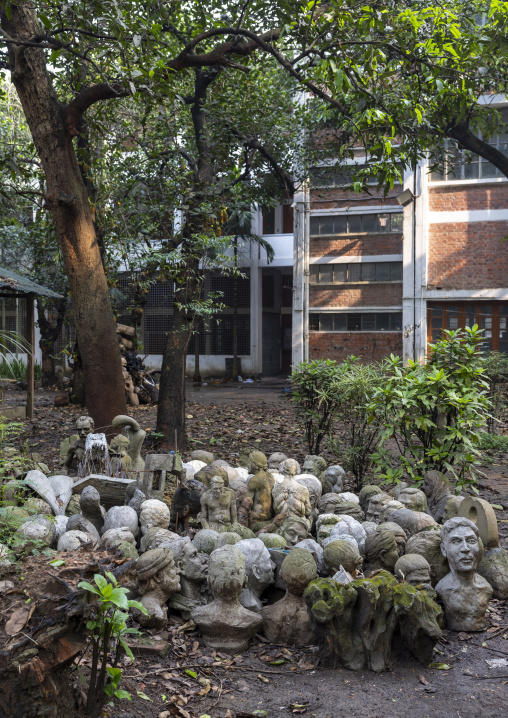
column 88, row 97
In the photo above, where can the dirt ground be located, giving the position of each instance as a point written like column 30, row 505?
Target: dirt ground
column 190, row 681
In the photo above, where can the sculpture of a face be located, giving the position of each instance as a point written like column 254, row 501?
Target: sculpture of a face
column 419, row 576
column 154, row 513
column 216, row 486
column 194, row 564
column 84, row 425
column 170, row 579
column 375, row 507
column 314, row 488
column 324, row 531
column 413, row 499
column 294, row 533
column 462, row 549
column 119, row 445
column 227, row 573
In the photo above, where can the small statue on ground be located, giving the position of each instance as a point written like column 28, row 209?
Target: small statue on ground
column 243, row 512
column 342, row 553
column 398, row 532
column 413, row 569
column 366, row 493
column 295, row 529
column 259, row 571
column 316, row 466
column 436, row 488
column 464, row 593
column 428, row 545
column 381, row 552
column 193, row 567
column 260, row 491
column 154, row 513
column 218, row 506
column 413, row 499
column 76, row 450
column 157, row 581
column 335, row 476
column 420, row 619
column 121, row 462
column 136, row 435
column 288, row 621
column 290, row 498
column 225, row 624
column 315, row 490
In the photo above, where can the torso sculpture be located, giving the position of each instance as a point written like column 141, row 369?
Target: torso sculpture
column 76, row 451
column 218, row 506
column 260, row 491
column 157, row 580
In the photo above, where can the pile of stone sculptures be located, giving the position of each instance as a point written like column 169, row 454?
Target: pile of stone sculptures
column 219, row 544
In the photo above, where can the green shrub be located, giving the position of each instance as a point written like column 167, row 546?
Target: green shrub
column 496, row 373
column 494, row 442
column 16, row 369
column 360, row 433
column 434, row 413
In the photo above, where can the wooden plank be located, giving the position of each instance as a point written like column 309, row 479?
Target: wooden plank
column 30, row 368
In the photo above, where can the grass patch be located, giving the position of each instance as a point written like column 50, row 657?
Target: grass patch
column 494, row 442
column 16, row 369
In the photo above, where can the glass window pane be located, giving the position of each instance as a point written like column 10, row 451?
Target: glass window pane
column 370, row 223
column 326, row 224
column 314, row 322
column 354, row 273
column 355, row 223
column 340, row 322
column 368, row 322
column 314, row 225
column 354, row 322
column 452, row 317
column 396, row 271
column 314, row 273
column 488, row 170
column 470, row 313
column 396, row 220
column 368, row 271
column 471, row 169
column 383, row 271
column 326, row 322
column 325, row 273
column 382, row 322
column 340, row 224
column 340, row 272
column 396, row 321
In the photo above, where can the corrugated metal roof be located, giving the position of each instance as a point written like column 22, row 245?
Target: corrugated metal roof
column 11, row 283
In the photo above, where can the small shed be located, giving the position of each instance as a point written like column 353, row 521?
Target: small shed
column 14, row 285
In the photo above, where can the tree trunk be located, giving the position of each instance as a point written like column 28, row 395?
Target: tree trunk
column 171, row 407
column 50, row 327
column 197, row 370
column 68, row 202
column 235, row 314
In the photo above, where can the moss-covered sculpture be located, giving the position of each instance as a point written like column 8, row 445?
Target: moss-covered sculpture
column 420, row 618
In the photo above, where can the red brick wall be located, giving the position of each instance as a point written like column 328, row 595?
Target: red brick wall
column 468, row 256
column 366, row 295
column 368, row 245
column 453, row 199
column 370, row 346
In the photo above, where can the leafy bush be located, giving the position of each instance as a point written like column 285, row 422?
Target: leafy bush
column 355, row 385
column 16, row 369
column 316, row 393
column 496, row 373
column 108, row 630
column 494, row 442
column 434, row 413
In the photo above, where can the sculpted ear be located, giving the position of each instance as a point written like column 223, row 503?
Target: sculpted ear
column 256, row 571
column 443, row 550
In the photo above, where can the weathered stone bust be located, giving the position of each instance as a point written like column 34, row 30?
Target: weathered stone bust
column 288, row 621
column 259, row 571
column 157, row 580
column 374, row 506
column 260, row 490
column 413, row 569
column 349, row 526
column 295, row 529
column 154, row 513
column 464, row 593
column 387, row 508
column 121, row 462
column 413, row 499
column 335, row 476
column 324, row 526
column 398, row 532
column 316, row 466
column 366, row 493
column 225, row 624
column 380, row 552
column 428, row 545
column 316, row 551
column 193, row 568
column 436, row 488
column 218, row 506
column 76, row 450
column 412, row 521
column 291, row 498
column 342, row 553
column 314, row 488
column 275, row 459
column 156, row 537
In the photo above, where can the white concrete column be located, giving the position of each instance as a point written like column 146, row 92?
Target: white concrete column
column 256, row 314
column 414, row 322
column 300, row 339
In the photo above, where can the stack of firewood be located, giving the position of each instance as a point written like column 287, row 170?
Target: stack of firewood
column 125, row 336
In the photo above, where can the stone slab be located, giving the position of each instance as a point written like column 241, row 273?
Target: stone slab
column 13, row 413
column 481, row 513
column 111, row 490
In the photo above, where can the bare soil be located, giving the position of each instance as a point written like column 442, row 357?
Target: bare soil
column 191, row 681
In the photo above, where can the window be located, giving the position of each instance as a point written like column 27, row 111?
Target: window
column 355, row 322
column 338, row 175
column 357, row 272
column 492, row 317
column 356, row 223
column 463, row 165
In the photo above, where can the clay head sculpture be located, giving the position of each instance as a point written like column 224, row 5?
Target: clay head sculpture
column 154, row 513
column 324, row 526
column 193, row 568
column 225, row 624
column 314, row 465
column 275, row 459
column 398, row 532
column 428, row 545
column 413, row 499
column 342, row 553
column 374, row 506
column 85, row 425
column 314, row 488
column 380, row 551
column 436, row 488
column 157, row 580
column 413, row 569
column 288, row 467
column 259, row 571
column 366, row 493
column 464, row 593
column 335, row 476
column 294, row 529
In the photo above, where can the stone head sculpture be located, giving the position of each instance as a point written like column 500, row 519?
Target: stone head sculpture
column 413, row 499
column 275, row 459
column 119, row 445
column 366, row 493
column 259, row 571
column 374, row 507
column 193, row 566
column 294, row 529
column 381, row 551
column 314, row 465
column 464, row 593
column 154, row 513
column 85, row 425
column 314, row 488
column 398, row 532
column 298, row 570
column 335, row 476
column 226, row 573
column 342, row 553
column 288, row 467
column 349, row 526
column 324, row 526
column 157, row 580
column 257, row 461
column 428, row 545
column 413, row 569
